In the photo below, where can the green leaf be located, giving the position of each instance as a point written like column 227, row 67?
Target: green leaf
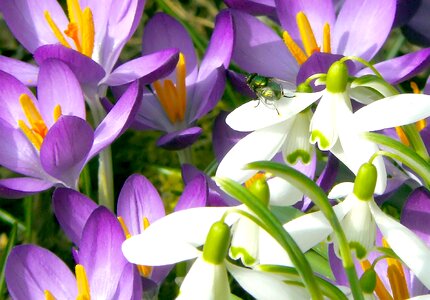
column 9, row 246
column 272, row 225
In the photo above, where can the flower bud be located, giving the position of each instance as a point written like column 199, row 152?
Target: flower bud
column 217, row 243
column 337, row 77
column 365, row 182
column 304, row 88
column 258, row 186
column 368, row 281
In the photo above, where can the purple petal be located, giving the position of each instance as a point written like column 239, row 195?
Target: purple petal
column 354, row 32
column 224, row 137
column 337, row 267
column 258, row 49
column 416, row 213
column 405, row 10
column 130, row 284
column 416, row 29
column 24, row 72
column 318, row 13
column 151, row 114
column 17, row 153
column 87, row 71
column 179, row 139
column 239, row 83
column 195, row 194
column 148, row 68
column 164, row 32
column 402, row 68
column 137, row 200
column 117, row 120
column 253, row 7
column 100, row 252
column 14, row 188
column 27, row 22
column 57, row 85
column 65, row 149
column 72, row 210
column 30, row 270
column 10, row 92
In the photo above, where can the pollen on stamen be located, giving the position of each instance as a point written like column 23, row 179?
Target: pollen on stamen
column 294, row 49
column 326, row 38
column 82, row 282
column 253, row 179
column 72, row 32
column 180, row 85
column 124, row 227
column 48, row 295
column 307, row 34
column 396, row 277
column 55, row 30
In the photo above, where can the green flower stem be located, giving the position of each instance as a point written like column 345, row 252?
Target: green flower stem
column 318, row 196
column 11, row 242
column 185, row 156
column 362, row 61
column 395, row 48
column 402, row 153
column 86, row 181
column 7, row 218
column 329, row 290
column 105, row 171
column 416, row 141
column 274, row 227
column 28, row 212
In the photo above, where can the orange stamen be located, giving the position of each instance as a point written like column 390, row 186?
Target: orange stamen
column 402, row 136
column 253, row 179
column 57, row 112
column 396, row 277
column 88, row 32
column 294, row 49
column 72, row 32
column 180, row 84
column 82, row 282
column 380, row 289
column 306, row 33
column 326, row 39
column 56, row 30
column 124, row 227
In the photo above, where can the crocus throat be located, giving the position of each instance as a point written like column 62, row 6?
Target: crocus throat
column 144, row 271
column 308, row 40
column 80, row 29
column 396, row 278
column 173, row 98
column 82, row 284
column 420, row 125
column 37, row 130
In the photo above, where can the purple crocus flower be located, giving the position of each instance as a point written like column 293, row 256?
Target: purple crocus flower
column 48, row 140
column 258, row 49
column 177, row 102
column 102, row 272
column 139, row 205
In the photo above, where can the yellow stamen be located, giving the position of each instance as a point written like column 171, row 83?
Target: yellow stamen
column 326, row 39
column 57, row 112
column 75, row 11
column 36, row 140
column 306, row 33
column 56, row 30
column 253, row 179
column 72, row 32
column 38, row 129
column 82, row 282
column 48, row 295
column 396, row 276
column 163, row 98
column 421, row 124
column 124, row 227
column 180, row 84
column 145, row 222
column 295, row 50
column 402, row 136
column 380, row 289
column 88, row 32
column 415, row 88
column 172, row 94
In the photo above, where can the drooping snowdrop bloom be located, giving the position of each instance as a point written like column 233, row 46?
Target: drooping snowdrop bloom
column 176, row 102
column 102, row 272
column 176, row 237
column 48, row 140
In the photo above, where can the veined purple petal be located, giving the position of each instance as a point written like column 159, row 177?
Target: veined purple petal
column 65, row 149
column 17, row 153
column 117, row 120
column 27, row 22
column 224, row 137
column 416, row 213
column 137, row 200
column 57, row 85
column 258, row 49
column 30, row 270
column 14, row 188
column 164, row 32
column 151, row 114
column 179, row 139
column 195, row 194
column 130, row 284
column 148, row 68
column 402, row 68
column 100, row 253
column 354, row 32
column 254, row 7
column 318, row 13
column 87, row 71
column 24, row 72
column 11, row 90
column 72, row 210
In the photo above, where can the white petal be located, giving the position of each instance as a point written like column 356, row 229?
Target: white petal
column 262, row 285
column 205, row 281
column 411, row 250
column 422, row 297
column 174, row 237
column 244, row 242
column 283, row 193
column 307, row 230
column 262, row 144
column 252, row 115
column 341, row 190
column 392, row 111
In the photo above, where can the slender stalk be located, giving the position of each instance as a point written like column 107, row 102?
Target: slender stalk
column 11, row 220
column 28, row 212
column 185, row 156
column 416, row 141
column 6, row 251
